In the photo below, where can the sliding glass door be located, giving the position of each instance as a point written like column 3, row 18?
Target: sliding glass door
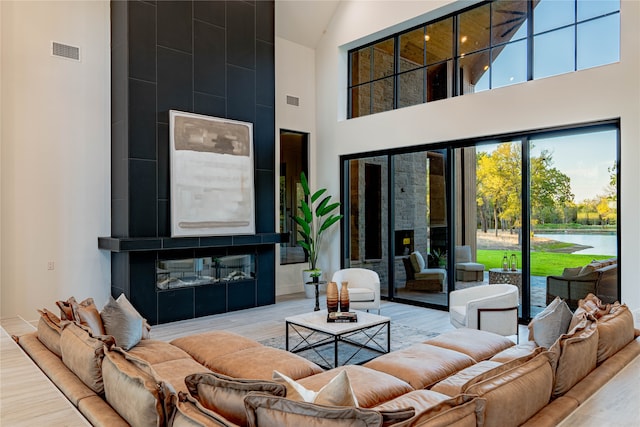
column 529, row 209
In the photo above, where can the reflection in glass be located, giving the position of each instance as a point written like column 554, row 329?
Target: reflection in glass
column 509, row 21
column 368, row 242
column 411, row 88
column 439, row 37
column 473, row 25
column 599, row 42
column 592, row 8
column 439, row 81
column 383, row 57
column 472, row 70
column 552, row 14
column 361, row 100
column 412, row 49
column 382, row 97
column 509, row 64
column 553, row 53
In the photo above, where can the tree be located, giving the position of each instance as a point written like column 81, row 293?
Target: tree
column 549, row 187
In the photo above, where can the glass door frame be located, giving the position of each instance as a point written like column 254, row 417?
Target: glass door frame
column 451, row 174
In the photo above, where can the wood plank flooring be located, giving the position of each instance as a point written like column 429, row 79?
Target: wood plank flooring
column 28, row 398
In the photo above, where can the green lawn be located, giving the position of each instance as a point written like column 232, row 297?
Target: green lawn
column 542, row 263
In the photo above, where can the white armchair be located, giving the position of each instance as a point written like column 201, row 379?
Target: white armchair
column 364, row 287
column 492, row 308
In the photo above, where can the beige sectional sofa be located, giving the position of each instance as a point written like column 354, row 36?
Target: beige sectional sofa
column 464, row 377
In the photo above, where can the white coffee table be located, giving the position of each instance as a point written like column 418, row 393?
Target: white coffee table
column 315, row 332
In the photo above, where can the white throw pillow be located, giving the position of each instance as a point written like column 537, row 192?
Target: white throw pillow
column 337, row 392
column 550, row 323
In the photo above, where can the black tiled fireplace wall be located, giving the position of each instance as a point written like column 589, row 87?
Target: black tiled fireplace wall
column 208, row 57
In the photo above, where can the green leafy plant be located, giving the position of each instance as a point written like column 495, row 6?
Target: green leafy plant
column 316, row 218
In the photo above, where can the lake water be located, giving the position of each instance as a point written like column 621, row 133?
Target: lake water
column 602, row 244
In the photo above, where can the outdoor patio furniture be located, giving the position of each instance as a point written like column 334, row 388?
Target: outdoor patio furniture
column 466, row 269
column 598, row 277
column 421, row 278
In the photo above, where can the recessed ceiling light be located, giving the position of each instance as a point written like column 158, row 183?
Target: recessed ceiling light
column 486, row 67
column 463, row 39
column 427, row 37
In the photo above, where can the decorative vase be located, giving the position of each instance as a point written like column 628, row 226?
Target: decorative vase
column 344, row 297
column 332, row 297
column 505, row 263
column 514, row 262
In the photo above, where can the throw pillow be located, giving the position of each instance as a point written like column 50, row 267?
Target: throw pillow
column 615, row 331
column 420, row 260
column 586, row 270
column 189, row 412
column 547, row 326
column 225, row 395
column 49, row 331
column 124, row 326
column 126, row 304
column 274, row 411
column 337, row 392
column 66, row 312
column 87, row 314
column 414, row 262
column 83, row 355
column 575, row 355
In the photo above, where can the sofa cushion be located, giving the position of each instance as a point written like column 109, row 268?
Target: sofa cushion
column 550, row 323
column 82, row 354
column 438, row 410
column 126, row 304
column 421, row 365
column 208, row 346
column 128, row 379
column 370, row 387
column 49, row 331
column 337, row 392
column 122, row 324
column 361, row 295
column 190, row 413
column 575, row 354
column 225, row 395
column 480, row 345
column 518, row 350
column 461, row 381
column 517, row 394
column 175, row 371
column 66, row 312
column 272, row 411
column 242, row 364
column 155, row 351
column 615, row 331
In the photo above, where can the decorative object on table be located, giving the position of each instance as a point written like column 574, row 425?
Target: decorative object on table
column 316, row 218
column 332, row 297
column 342, row 317
column 514, row 262
column 505, row 262
column 344, row 297
column 308, row 277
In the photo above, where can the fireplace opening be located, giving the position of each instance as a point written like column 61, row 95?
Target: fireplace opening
column 180, row 273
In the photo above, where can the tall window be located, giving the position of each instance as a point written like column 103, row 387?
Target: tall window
column 490, row 45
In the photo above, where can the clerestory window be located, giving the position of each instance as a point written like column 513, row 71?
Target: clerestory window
column 490, row 45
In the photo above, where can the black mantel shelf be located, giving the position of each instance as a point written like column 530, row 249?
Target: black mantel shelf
column 141, row 244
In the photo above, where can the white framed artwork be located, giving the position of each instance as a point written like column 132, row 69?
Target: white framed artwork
column 211, row 172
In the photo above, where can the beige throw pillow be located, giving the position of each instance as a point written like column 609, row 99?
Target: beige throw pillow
column 337, row 392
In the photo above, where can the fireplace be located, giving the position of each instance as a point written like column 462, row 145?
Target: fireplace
column 180, row 273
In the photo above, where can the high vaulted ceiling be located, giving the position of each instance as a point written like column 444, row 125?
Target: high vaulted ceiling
column 303, row 21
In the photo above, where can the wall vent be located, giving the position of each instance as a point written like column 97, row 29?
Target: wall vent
column 65, row 51
column 293, row 100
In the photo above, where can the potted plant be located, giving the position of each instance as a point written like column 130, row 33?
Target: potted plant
column 316, row 218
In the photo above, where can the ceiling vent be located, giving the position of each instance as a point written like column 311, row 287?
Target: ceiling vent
column 293, row 100
column 65, row 51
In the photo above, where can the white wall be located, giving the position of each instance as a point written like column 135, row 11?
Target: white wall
column 295, row 76
column 55, row 155
column 607, row 92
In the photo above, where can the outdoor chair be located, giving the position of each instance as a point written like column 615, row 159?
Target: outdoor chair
column 466, row 269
